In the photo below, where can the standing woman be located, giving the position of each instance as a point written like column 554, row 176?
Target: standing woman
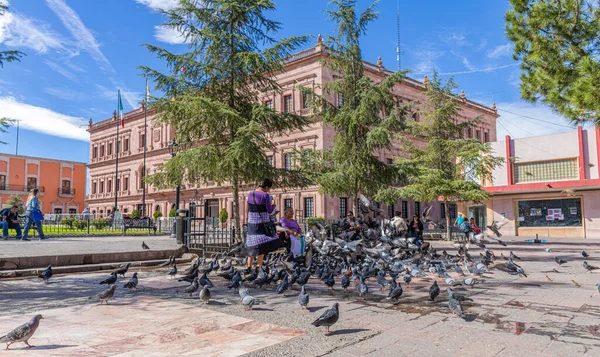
column 262, row 235
column 33, row 214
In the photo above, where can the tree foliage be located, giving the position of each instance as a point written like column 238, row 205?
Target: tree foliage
column 8, row 56
column 16, row 200
column 367, row 120
column 4, row 124
column 213, row 95
column 442, row 165
column 558, row 44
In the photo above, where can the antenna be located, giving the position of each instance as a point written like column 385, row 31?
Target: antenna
column 398, row 30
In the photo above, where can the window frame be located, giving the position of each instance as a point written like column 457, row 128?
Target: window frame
column 287, row 156
column 307, row 206
column 286, row 201
column 404, row 205
column 288, row 105
column 29, row 186
column 343, row 206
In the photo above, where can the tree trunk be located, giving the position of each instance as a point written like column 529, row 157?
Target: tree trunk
column 448, row 221
column 356, row 206
column 236, row 211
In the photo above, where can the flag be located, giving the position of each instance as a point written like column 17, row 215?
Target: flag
column 183, row 69
column 120, row 109
column 147, row 91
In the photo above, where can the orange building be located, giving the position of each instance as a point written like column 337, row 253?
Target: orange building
column 61, row 183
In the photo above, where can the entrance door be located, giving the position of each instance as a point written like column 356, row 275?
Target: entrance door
column 478, row 212
column 213, row 211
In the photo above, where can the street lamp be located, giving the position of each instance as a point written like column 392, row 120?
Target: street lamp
column 175, row 148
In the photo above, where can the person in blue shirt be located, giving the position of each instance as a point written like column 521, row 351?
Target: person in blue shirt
column 32, row 204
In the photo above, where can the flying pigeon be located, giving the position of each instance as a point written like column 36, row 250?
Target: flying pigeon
column 513, row 256
column 303, row 298
column 559, row 261
column 434, row 291
column 328, row 318
column 121, row 271
column 585, row 254
column 132, row 283
column 107, row 294
column 111, row 279
column 588, row 267
column 145, row 246
column 46, row 274
column 173, row 271
column 204, row 295
column 22, row 333
column 168, row 262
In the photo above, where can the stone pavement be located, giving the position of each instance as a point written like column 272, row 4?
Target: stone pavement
column 558, row 308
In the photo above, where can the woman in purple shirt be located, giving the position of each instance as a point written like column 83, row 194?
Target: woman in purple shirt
column 259, row 239
column 289, row 223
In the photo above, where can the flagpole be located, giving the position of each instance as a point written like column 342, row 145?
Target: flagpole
column 117, row 160
column 144, row 143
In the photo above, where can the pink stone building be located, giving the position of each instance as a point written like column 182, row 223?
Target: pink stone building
column 549, row 186
column 303, row 69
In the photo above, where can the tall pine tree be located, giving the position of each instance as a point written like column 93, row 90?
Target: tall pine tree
column 213, row 92
column 8, row 56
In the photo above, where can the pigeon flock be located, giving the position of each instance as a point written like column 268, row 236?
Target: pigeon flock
column 376, row 256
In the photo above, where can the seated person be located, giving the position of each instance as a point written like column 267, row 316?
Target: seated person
column 351, row 225
column 415, row 229
column 294, row 235
column 474, row 227
column 10, row 219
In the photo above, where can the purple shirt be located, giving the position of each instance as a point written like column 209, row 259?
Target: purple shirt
column 261, row 197
column 290, row 224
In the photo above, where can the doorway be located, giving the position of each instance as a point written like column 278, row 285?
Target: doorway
column 479, row 213
column 213, row 212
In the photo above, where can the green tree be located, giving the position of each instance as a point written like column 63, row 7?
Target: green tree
column 4, row 124
column 223, row 215
column 212, row 95
column 446, row 166
column 16, row 200
column 366, row 116
column 8, row 56
column 558, row 44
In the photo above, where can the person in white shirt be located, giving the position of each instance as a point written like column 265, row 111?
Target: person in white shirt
column 399, row 223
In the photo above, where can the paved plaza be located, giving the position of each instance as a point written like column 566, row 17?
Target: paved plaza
column 556, row 307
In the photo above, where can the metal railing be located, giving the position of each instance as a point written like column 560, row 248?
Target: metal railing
column 20, row 188
column 66, row 192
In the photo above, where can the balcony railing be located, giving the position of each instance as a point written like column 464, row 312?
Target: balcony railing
column 20, row 188
column 66, row 192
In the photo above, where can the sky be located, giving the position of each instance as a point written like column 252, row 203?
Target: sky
column 80, row 52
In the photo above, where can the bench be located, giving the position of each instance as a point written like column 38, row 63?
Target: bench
column 139, row 223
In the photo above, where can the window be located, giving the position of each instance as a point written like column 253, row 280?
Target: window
column 390, row 161
column 72, row 211
column 340, row 100
column 58, row 210
column 31, row 183
column 470, row 132
column 101, row 150
column 309, row 208
column 95, row 152
column 418, row 208
column 118, row 184
column 2, row 182
column 477, row 134
column 415, row 116
column 66, row 187
column 305, row 100
column 142, row 141
column 288, row 203
column 404, row 209
column 543, row 171
column 101, row 186
column 270, row 160
column 486, row 137
column 126, row 144
column 141, row 183
column 287, row 103
column 269, row 104
column 109, row 186
column 93, row 187
column 442, row 210
column 126, row 210
column 550, row 213
column 288, row 161
column 125, row 183
column 109, row 149
column 390, row 211
column 343, row 207
column 452, row 210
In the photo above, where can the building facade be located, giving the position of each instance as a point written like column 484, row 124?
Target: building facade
column 549, row 185
column 61, row 183
column 302, row 69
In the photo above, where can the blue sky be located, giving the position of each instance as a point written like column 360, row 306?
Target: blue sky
column 79, row 52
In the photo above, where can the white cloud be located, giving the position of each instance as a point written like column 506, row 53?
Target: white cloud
column 62, row 71
column 168, row 35
column 111, row 94
column 500, row 51
column 426, row 61
column 465, row 62
column 455, row 38
column 482, row 45
column 65, row 93
column 522, row 119
column 43, row 120
column 19, row 31
column 159, row 4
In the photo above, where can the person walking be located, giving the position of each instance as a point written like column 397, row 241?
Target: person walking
column 33, row 214
column 262, row 235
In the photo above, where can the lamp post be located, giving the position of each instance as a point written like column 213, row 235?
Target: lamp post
column 174, row 149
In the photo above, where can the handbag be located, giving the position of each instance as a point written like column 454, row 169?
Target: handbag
column 37, row 216
column 269, row 229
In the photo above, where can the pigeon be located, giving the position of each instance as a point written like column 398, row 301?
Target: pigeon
column 559, row 261
column 585, row 254
column 470, row 281
column 303, row 278
column 46, row 274
column 513, row 256
column 588, row 267
column 190, row 277
column 362, row 287
column 434, row 291
column 22, row 333
column 345, row 282
column 111, row 279
column 381, row 280
column 121, row 271
column 328, row 318
column 395, row 292
column 132, row 283
column 145, row 246
column 283, row 286
column 454, row 295
column 204, row 295
column 456, row 308
column 168, row 262
column 303, row 298
column 204, row 281
column 107, row 294
column 250, row 301
column 194, row 286
column 173, row 271
column 548, row 250
column 330, row 281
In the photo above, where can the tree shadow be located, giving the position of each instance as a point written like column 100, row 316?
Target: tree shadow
column 46, row 347
column 346, row 331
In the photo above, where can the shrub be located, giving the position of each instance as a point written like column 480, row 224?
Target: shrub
column 312, row 220
column 67, row 222
column 99, row 223
column 157, row 214
column 223, row 215
column 135, row 214
column 172, row 212
column 80, row 224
